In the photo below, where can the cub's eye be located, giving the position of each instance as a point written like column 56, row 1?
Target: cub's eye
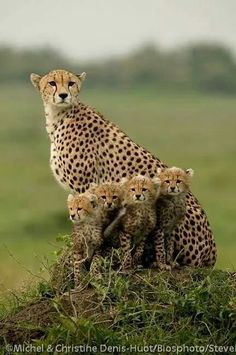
column 167, row 181
column 115, row 197
column 79, row 209
column 144, row 189
column 132, row 189
column 103, row 197
column 178, row 181
column 71, row 83
column 52, row 83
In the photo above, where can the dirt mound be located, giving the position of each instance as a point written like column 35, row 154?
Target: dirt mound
column 29, row 323
column 32, row 321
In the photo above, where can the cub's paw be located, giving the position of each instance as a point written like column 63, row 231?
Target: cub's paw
column 122, row 212
column 173, row 264
column 161, row 266
column 137, row 261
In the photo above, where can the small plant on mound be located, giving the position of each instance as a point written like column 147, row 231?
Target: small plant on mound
column 188, row 306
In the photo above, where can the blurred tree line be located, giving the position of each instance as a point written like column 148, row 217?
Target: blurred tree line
column 202, row 67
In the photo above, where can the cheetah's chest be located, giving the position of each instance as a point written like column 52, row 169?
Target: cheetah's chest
column 87, row 238
column 140, row 221
column 171, row 212
column 72, row 157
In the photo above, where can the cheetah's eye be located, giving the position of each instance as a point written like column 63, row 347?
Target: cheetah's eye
column 71, row 83
column 115, row 197
column 79, row 209
column 144, row 189
column 103, row 197
column 167, row 181
column 52, row 83
column 178, row 181
column 132, row 189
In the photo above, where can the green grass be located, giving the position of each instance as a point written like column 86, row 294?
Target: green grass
column 185, row 129
column 187, row 307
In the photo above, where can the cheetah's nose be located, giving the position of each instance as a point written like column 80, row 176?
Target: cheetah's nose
column 172, row 188
column 109, row 205
column 138, row 197
column 63, row 95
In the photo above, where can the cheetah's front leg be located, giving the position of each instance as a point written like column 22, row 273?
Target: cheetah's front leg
column 95, row 266
column 159, row 240
column 138, row 253
column 78, row 261
column 170, row 251
column 125, row 243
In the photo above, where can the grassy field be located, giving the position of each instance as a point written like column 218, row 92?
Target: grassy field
column 187, row 130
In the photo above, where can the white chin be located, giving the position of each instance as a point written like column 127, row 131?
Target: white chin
column 62, row 103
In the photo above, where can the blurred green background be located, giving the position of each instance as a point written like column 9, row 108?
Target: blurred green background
column 184, row 114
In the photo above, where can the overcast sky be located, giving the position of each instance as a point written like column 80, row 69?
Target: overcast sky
column 88, row 29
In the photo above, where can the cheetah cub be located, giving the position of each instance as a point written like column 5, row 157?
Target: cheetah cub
column 138, row 218
column 110, row 196
column 171, row 210
column 87, row 230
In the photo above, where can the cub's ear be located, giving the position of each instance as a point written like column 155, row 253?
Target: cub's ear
column 160, row 170
column 189, row 172
column 123, row 181
column 81, row 76
column 70, row 198
column 156, row 181
column 35, row 79
column 92, row 187
column 94, row 200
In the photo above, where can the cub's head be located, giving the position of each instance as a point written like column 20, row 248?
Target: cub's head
column 109, row 195
column 140, row 189
column 174, row 180
column 83, row 207
column 59, row 87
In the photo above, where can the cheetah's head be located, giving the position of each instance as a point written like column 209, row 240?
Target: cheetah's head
column 82, row 207
column 174, row 180
column 140, row 188
column 109, row 195
column 59, row 87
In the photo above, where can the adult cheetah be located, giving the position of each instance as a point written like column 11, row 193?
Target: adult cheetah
column 86, row 148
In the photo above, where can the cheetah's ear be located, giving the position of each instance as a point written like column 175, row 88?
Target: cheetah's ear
column 92, row 187
column 159, row 171
column 70, row 198
column 156, row 181
column 35, row 79
column 81, row 76
column 123, row 181
column 189, row 172
column 94, row 200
